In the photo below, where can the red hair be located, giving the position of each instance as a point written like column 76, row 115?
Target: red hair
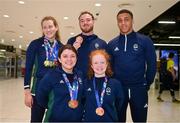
column 108, row 71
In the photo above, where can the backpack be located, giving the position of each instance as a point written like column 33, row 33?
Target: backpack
column 163, row 67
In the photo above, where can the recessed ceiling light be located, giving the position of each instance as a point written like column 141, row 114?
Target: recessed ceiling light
column 6, row 16
column 13, row 40
column 2, row 40
column 21, row 2
column 167, row 22
column 31, row 32
column 20, row 36
column 122, row 5
column 65, row 18
column 174, row 37
column 72, row 33
column 97, row 4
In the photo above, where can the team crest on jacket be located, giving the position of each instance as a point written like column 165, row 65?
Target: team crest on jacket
column 96, row 45
column 61, row 82
column 108, row 91
column 116, row 49
column 89, row 89
column 135, row 47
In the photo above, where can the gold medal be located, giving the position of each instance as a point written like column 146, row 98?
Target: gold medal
column 100, row 111
column 73, row 104
column 46, row 63
column 50, row 63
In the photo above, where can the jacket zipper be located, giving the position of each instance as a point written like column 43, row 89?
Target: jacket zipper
column 125, row 44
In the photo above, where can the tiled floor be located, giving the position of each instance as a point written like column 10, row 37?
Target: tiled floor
column 12, row 108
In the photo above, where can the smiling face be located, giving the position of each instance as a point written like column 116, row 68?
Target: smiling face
column 68, row 60
column 125, row 23
column 86, row 23
column 99, row 65
column 49, row 29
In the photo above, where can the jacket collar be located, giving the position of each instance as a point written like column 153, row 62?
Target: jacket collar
column 60, row 70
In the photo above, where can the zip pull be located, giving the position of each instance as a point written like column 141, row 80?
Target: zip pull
column 129, row 93
column 125, row 44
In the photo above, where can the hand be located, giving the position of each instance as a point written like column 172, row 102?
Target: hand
column 78, row 42
column 28, row 98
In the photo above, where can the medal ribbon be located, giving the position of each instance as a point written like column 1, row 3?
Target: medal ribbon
column 51, row 52
column 73, row 90
column 100, row 102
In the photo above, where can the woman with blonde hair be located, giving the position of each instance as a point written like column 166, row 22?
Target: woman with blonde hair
column 41, row 56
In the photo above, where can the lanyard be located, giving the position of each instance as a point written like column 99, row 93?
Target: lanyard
column 73, row 90
column 51, row 52
column 100, row 102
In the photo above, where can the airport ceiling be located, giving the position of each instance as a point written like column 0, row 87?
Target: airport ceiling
column 23, row 23
column 160, row 32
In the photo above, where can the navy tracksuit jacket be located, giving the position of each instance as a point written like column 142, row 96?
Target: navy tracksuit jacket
column 35, row 57
column 53, row 94
column 112, row 104
column 34, row 72
column 89, row 44
column 134, row 64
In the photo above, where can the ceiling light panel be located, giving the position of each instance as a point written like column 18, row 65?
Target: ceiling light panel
column 97, row 4
column 174, row 37
column 65, row 18
column 169, row 45
column 2, row 40
column 31, row 32
column 6, row 16
column 21, row 2
column 166, row 22
column 72, row 33
column 20, row 36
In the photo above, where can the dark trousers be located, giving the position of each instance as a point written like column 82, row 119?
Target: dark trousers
column 37, row 112
column 167, row 84
column 137, row 97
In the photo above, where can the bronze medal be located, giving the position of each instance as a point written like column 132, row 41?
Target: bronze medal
column 73, row 104
column 100, row 111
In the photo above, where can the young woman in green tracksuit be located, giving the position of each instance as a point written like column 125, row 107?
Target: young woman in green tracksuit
column 41, row 56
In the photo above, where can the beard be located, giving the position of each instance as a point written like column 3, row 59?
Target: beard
column 87, row 30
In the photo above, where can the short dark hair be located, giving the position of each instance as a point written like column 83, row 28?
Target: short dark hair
column 64, row 47
column 125, row 11
column 86, row 12
column 171, row 55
